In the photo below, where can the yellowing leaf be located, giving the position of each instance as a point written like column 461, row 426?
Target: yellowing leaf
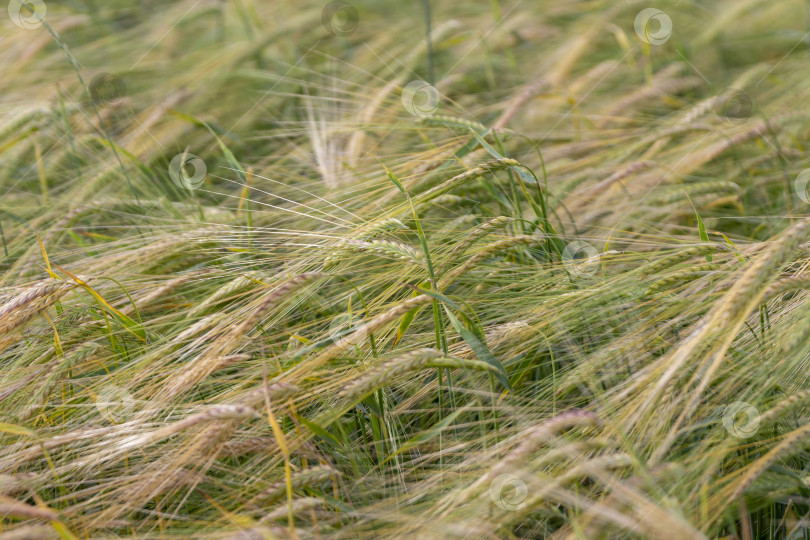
column 14, row 429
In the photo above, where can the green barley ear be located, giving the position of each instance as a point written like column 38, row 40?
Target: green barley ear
column 253, row 278
column 461, row 179
column 784, row 406
column 381, row 248
column 453, row 122
column 306, row 477
column 417, row 360
column 786, row 284
column 448, row 199
column 678, row 257
column 797, row 336
column 380, row 228
column 714, row 188
column 683, row 275
column 488, row 251
column 475, row 235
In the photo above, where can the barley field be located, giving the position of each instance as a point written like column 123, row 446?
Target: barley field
column 431, row 269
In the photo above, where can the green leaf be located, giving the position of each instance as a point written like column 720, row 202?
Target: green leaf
column 320, row 431
column 425, row 436
column 488, row 147
column 129, row 155
column 131, row 301
column 704, row 236
column 130, row 325
column 479, row 348
column 437, row 296
column 393, row 178
column 370, row 402
column 468, row 147
column 225, row 150
column 406, row 321
column 63, row 532
column 733, row 245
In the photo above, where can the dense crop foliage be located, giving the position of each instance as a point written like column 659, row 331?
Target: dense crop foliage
column 404, row 269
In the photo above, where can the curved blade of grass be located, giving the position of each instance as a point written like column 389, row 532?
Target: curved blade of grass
column 479, row 348
column 130, row 325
